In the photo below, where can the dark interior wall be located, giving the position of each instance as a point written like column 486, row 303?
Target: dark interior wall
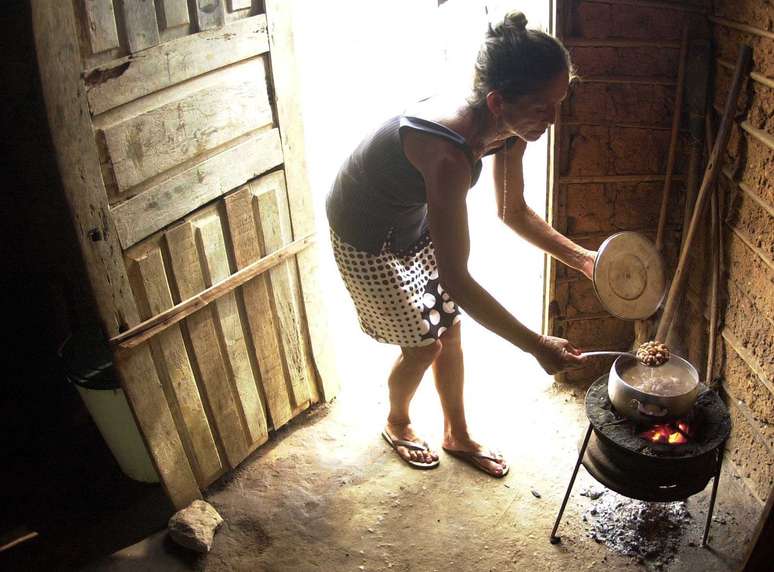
column 612, row 146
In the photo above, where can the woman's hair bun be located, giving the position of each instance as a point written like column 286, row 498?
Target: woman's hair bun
column 515, row 20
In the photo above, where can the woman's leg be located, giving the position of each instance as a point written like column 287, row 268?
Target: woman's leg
column 403, row 382
column 448, row 369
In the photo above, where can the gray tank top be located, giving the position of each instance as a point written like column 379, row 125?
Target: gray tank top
column 379, row 195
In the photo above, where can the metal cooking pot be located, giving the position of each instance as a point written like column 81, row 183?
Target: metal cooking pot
column 645, row 407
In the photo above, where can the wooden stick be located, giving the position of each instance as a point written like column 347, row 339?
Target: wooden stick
column 662, row 215
column 160, row 322
column 741, row 27
column 616, row 179
column 710, row 174
column 763, row 136
column 651, row 4
column 627, row 80
column 615, row 43
column 23, row 537
column 716, row 245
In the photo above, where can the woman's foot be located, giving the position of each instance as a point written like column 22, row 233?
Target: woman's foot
column 470, row 451
column 404, row 432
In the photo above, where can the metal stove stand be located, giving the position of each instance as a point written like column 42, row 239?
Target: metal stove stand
column 588, row 463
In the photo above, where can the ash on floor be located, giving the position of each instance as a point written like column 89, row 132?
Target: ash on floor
column 647, row 531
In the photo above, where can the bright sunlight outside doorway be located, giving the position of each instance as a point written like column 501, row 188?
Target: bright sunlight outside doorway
column 363, row 61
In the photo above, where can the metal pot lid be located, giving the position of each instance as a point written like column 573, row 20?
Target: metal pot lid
column 629, row 277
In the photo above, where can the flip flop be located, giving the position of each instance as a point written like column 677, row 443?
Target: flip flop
column 395, row 443
column 475, row 459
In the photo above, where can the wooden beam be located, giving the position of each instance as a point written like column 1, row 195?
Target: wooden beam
column 741, row 235
column 627, row 80
column 618, row 43
column 763, row 136
column 747, row 358
column 758, row 134
column 760, row 78
column 160, row 322
column 651, row 4
column 741, row 27
column 748, row 190
column 616, row 179
column 620, row 125
column 755, row 425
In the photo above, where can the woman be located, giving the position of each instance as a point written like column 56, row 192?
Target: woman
column 400, row 232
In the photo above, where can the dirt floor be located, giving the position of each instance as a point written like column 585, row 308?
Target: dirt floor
column 328, row 494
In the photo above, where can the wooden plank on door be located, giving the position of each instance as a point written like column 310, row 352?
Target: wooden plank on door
column 101, row 25
column 174, row 13
column 181, row 388
column 204, row 340
column 170, row 63
column 287, row 99
column 60, row 63
column 257, row 300
column 174, row 198
column 274, row 232
column 216, row 109
column 209, row 236
column 240, row 4
column 146, row 398
column 142, row 29
column 210, row 14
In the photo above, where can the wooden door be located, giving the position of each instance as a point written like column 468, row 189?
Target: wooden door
column 177, row 135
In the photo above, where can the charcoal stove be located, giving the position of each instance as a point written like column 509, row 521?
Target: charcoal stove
column 646, row 463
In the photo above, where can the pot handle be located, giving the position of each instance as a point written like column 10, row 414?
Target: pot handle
column 650, row 410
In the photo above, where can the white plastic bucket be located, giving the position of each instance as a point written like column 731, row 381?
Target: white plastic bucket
column 88, row 366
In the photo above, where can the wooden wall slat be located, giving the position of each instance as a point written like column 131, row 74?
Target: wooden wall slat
column 101, row 25
column 182, row 391
column 201, row 329
column 175, row 13
column 257, row 299
column 162, row 66
column 174, row 198
column 231, row 103
column 274, row 231
column 142, row 29
column 209, row 14
column 209, row 236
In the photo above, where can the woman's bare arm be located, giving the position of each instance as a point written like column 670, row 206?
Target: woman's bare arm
column 447, row 173
column 526, row 222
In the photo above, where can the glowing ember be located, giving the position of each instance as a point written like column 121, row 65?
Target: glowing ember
column 669, row 433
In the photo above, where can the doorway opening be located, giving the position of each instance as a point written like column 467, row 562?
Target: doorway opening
column 405, row 51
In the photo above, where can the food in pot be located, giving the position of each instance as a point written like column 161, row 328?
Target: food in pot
column 668, row 380
column 653, row 353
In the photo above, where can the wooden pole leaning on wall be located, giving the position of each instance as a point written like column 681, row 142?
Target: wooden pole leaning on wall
column 642, row 328
column 665, row 191
column 716, row 246
column 710, row 175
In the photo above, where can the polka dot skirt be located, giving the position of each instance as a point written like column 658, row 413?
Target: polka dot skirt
column 398, row 296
